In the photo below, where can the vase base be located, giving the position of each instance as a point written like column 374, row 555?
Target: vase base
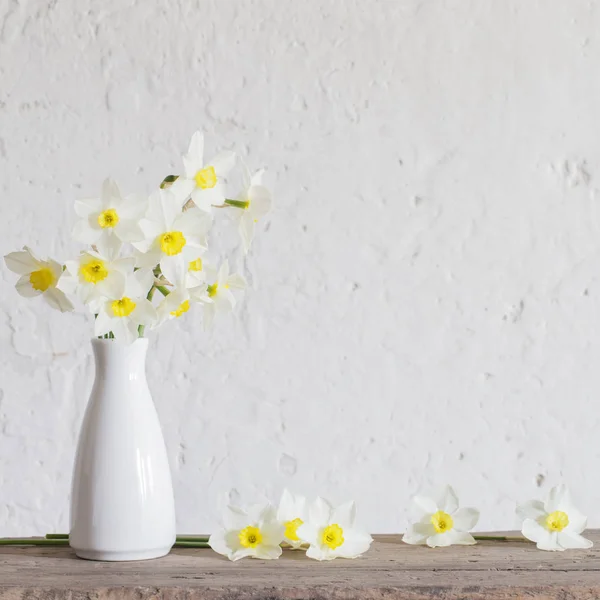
column 122, row 556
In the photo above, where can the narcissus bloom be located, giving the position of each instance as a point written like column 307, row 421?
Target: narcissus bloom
column 253, row 532
column 555, row 524
column 440, row 521
column 291, row 514
column 108, row 217
column 331, row 533
column 38, row 277
column 203, row 181
column 251, row 205
column 220, row 284
column 172, row 238
column 94, row 276
column 123, row 313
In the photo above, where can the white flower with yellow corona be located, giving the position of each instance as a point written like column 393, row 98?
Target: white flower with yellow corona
column 251, row 205
column 94, row 276
column 203, row 181
column 219, row 290
column 109, row 219
column 554, row 524
column 331, row 532
column 254, row 532
column 189, row 288
column 172, row 238
column 291, row 514
column 38, row 277
column 123, row 313
column 440, row 521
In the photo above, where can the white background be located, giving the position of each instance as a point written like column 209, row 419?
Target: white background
column 425, row 298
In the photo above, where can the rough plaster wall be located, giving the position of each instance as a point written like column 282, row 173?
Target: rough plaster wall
column 426, row 298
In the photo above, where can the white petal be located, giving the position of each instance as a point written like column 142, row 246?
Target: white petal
column 246, row 229
column 217, row 542
column 556, row 497
column 344, row 515
column 182, row 188
column 103, row 323
column 110, row 195
column 465, row 518
column 319, row 553
column 144, row 312
column 109, row 246
column 223, row 163
column 260, row 201
column 417, row 533
column 124, row 330
column 272, row 533
column 320, row 511
column 193, row 160
column 425, row 504
column 461, row 538
column 309, row 533
column 569, row 539
column 21, row 262
column 57, row 299
column 25, row 289
column 84, row 208
column 534, row 509
column 532, row 530
column 440, row 540
column 355, row 544
column 174, row 268
column 129, row 231
column 267, row 552
column 82, row 232
column 236, row 281
column 447, row 500
column 577, row 521
column 287, row 506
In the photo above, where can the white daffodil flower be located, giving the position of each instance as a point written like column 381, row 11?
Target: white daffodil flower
column 189, row 288
column 330, row 532
column 38, row 277
column 203, row 181
column 220, row 284
column 251, row 205
column 124, row 313
column 441, row 522
column 110, row 219
column 555, row 524
column 172, row 238
column 291, row 514
column 254, row 532
column 94, row 276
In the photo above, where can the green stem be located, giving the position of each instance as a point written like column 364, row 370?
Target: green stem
column 142, row 327
column 191, row 545
column 168, row 179
column 32, row 542
column 163, row 290
column 237, row 203
column 179, row 538
column 500, row 538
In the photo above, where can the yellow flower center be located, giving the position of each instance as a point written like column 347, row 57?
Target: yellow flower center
column 333, row 536
column 94, row 271
column 557, row 520
column 206, row 178
column 41, row 280
column 250, row 537
column 195, row 265
column 123, row 307
column 183, row 308
column 442, row 521
column 172, row 242
column 212, row 290
column 108, row 218
column 291, row 529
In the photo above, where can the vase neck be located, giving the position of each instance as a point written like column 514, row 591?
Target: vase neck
column 117, row 361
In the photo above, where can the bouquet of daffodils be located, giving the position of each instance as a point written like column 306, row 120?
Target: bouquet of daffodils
column 138, row 245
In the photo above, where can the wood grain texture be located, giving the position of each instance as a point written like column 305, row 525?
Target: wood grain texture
column 391, row 569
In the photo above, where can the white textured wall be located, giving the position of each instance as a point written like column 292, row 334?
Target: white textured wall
column 426, row 300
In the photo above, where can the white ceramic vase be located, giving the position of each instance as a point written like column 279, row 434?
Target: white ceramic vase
column 122, row 498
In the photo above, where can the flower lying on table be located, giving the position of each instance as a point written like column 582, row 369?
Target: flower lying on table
column 259, row 531
column 554, row 524
column 441, row 522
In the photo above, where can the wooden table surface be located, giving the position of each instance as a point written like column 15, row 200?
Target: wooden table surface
column 390, row 569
